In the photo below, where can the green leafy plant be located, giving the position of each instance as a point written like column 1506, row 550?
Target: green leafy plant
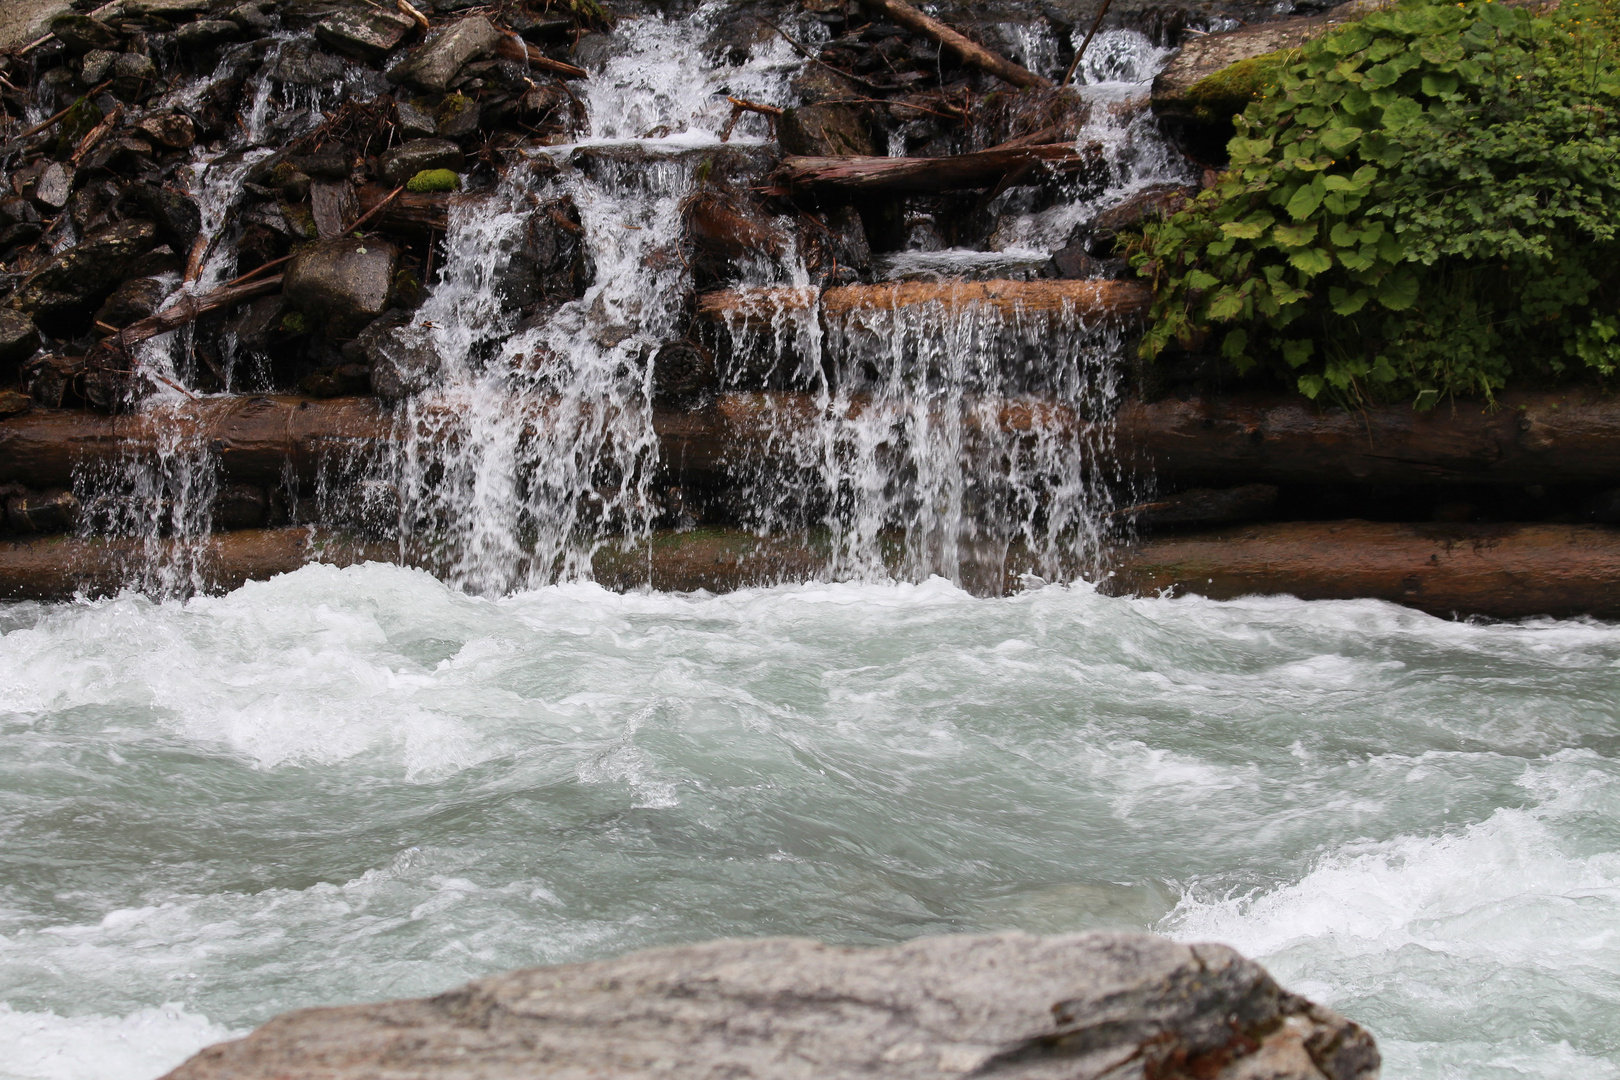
column 1425, row 203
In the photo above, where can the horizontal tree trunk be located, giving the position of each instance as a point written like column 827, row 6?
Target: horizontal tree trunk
column 757, row 307
column 1503, row 571
column 926, row 176
column 1541, row 438
column 190, row 308
column 1528, row 438
column 60, row 567
column 409, row 212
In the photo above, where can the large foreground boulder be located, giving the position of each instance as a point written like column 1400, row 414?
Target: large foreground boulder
column 1086, row 1007
column 341, row 285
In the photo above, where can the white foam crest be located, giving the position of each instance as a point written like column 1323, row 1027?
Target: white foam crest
column 143, row 1044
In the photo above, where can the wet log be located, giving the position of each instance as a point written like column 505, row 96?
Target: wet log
column 1090, row 299
column 1501, row 571
column 1009, row 167
column 971, row 52
column 1527, row 438
column 408, row 212
column 190, row 308
column 61, row 567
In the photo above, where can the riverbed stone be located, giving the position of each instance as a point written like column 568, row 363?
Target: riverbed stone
column 207, row 33
column 343, row 284
column 174, row 131
column 55, row 186
column 82, row 34
column 173, row 10
column 367, row 34
column 435, row 64
column 74, row 279
column 135, row 299
column 1081, row 1007
column 412, row 156
column 826, row 130
column 402, row 357
column 19, row 337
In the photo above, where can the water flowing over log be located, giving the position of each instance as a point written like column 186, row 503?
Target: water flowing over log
column 60, row 567
column 1007, row 167
column 1089, row 299
column 1501, row 571
column 971, row 52
column 191, row 308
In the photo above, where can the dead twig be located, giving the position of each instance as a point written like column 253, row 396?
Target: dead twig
column 1096, row 24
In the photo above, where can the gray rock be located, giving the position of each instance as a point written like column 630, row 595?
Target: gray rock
column 304, row 65
column 135, row 299
column 82, row 34
column 172, row 130
column 97, row 63
column 342, row 284
column 75, row 278
column 411, row 157
column 1120, row 1006
column 415, row 123
column 19, row 337
column 250, row 19
column 55, row 185
column 206, row 33
column 456, row 117
column 826, row 130
column 436, row 63
column 403, row 359
column 370, row 35
column 133, row 75
column 173, row 10
column 178, row 218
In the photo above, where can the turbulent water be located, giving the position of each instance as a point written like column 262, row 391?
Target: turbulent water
column 346, row 785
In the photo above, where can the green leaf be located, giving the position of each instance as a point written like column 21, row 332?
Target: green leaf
column 1334, row 140
column 1202, row 279
column 1346, row 302
column 1440, row 84
column 1235, row 344
column 1310, row 385
column 1311, row 261
column 1402, row 112
column 1225, row 305
column 1297, row 353
column 1304, row 202
column 1399, row 290
column 1243, row 230
column 1294, row 235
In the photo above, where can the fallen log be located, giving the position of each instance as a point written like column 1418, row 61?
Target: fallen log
column 971, row 52
column 408, row 212
column 512, row 47
column 1541, row 438
column 190, row 308
column 1005, row 166
column 61, row 567
column 1527, row 438
column 757, row 307
column 1501, row 571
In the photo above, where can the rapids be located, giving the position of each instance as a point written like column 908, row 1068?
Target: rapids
column 355, row 784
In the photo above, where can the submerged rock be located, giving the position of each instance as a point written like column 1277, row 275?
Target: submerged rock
column 342, row 284
column 1114, row 1005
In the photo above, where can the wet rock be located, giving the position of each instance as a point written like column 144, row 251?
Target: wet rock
column 549, row 265
column 456, row 117
column 54, row 380
column 727, row 233
column 836, row 246
column 435, row 64
column 135, row 299
column 134, row 76
column 174, row 131
column 332, row 205
column 82, row 34
column 97, row 65
column 252, row 324
column 177, row 218
column 403, row 361
column 55, row 186
column 19, row 337
column 368, row 34
column 80, row 276
column 826, row 130
column 207, row 33
column 240, row 506
column 327, row 165
column 342, row 380
column 415, row 123
column 54, row 510
column 14, row 403
column 409, row 158
column 304, row 65
column 172, row 10
column 1084, row 1007
column 341, row 285
column 250, row 19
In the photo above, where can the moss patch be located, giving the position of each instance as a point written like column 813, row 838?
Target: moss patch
column 1218, row 97
column 433, row 180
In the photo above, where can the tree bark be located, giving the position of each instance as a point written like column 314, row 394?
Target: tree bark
column 409, row 212
column 1502, row 571
column 757, row 307
column 512, row 47
column 971, row 53
column 190, row 308
column 957, row 172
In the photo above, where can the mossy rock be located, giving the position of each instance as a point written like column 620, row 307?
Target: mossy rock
column 1221, row 96
column 433, row 180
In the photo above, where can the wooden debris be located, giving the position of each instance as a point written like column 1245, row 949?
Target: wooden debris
column 957, row 172
column 971, row 52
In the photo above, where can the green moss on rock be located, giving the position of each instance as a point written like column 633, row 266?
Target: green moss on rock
column 1219, row 97
column 433, row 180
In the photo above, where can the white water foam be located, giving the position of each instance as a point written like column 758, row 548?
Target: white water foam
column 144, row 1044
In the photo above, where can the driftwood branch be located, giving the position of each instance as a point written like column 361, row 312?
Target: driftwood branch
column 958, row 172
column 512, row 47
column 1079, row 54
column 971, row 53
column 190, row 308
